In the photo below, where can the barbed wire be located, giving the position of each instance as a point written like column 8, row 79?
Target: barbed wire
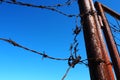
column 67, row 71
column 116, row 39
column 52, row 8
column 117, row 22
column 31, row 50
column 67, row 3
column 94, row 60
column 77, row 59
column 44, row 55
column 74, row 57
column 118, row 30
column 118, row 44
column 114, row 28
column 115, row 31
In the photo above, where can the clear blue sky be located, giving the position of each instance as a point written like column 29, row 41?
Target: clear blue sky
column 41, row 30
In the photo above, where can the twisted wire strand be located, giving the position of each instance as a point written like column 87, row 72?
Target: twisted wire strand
column 118, row 44
column 40, row 6
column 42, row 54
column 114, row 27
column 66, row 73
column 117, row 22
column 67, row 3
column 115, row 30
column 31, row 50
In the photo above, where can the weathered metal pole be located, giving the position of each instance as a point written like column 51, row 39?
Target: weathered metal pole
column 111, row 12
column 106, row 58
column 96, row 62
column 110, row 41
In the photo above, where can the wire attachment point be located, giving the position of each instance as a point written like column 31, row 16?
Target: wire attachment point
column 72, row 62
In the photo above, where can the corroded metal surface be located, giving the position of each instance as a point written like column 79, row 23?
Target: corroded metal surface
column 96, row 62
column 110, row 41
column 109, row 73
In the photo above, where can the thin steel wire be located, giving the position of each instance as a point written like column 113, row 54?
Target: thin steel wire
column 52, row 8
column 31, row 50
column 66, row 73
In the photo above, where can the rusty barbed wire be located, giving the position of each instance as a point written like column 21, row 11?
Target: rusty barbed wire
column 95, row 61
column 67, row 71
column 118, row 44
column 115, row 28
column 52, row 8
column 40, row 53
column 117, row 22
column 115, row 31
column 44, row 55
column 74, row 57
column 67, row 3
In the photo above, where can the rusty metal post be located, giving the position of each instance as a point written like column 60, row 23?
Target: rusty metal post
column 111, row 12
column 93, row 45
column 106, row 58
column 110, row 41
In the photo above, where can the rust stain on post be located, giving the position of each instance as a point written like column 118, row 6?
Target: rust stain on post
column 98, row 22
column 97, row 67
column 110, row 41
